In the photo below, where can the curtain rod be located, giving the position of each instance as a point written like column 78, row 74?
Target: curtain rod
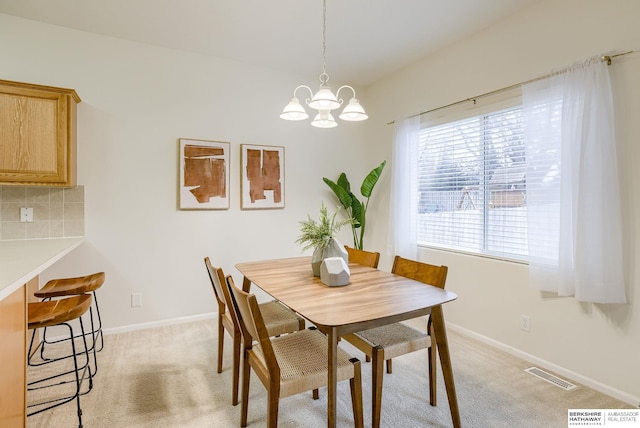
column 606, row 58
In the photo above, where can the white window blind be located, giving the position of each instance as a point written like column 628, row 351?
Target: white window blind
column 472, row 179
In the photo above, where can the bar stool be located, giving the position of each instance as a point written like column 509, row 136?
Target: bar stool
column 60, row 312
column 74, row 286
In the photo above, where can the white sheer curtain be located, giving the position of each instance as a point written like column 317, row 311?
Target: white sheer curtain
column 404, row 182
column 573, row 198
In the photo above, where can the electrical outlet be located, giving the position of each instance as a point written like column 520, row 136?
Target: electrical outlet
column 136, row 300
column 26, row 215
column 525, row 323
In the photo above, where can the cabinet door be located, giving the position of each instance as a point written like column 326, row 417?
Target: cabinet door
column 37, row 136
column 13, row 359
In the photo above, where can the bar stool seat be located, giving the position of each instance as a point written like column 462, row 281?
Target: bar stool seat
column 60, row 312
column 54, row 312
column 73, row 286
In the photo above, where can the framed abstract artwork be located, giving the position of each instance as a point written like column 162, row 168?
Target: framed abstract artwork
column 204, row 175
column 262, row 185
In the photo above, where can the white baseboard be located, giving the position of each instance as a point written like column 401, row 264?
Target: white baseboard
column 162, row 323
column 576, row 377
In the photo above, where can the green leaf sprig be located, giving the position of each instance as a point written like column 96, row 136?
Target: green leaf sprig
column 315, row 234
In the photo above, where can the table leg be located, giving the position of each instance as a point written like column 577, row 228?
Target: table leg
column 333, row 376
column 445, row 361
column 246, row 284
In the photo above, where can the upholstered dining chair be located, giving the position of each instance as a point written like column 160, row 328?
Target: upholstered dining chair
column 288, row 364
column 390, row 341
column 363, row 257
column 278, row 320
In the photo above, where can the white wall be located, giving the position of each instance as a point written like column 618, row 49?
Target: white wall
column 137, row 101
column 598, row 344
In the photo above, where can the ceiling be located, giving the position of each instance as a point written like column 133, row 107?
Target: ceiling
column 366, row 39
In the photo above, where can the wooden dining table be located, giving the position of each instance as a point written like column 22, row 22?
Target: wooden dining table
column 372, row 298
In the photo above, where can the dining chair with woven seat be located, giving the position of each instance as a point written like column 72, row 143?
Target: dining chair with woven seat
column 393, row 340
column 363, row 257
column 278, row 318
column 289, row 364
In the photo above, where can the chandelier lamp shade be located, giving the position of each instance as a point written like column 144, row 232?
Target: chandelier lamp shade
column 324, row 101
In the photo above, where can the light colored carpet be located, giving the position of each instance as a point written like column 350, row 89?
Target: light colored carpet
column 166, row 377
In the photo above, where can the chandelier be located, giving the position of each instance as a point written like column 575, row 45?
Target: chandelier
column 324, row 100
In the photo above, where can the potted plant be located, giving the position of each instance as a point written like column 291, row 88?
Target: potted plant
column 355, row 209
column 319, row 235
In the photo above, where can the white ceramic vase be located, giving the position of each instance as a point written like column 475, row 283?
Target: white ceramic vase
column 334, row 248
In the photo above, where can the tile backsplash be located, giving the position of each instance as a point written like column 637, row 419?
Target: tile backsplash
column 57, row 212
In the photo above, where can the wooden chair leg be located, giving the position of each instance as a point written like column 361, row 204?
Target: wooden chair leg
column 316, row 394
column 389, row 366
column 376, row 385
column 356, row 394
column 432, row 355
column 273, row 399
column 220, row 344
column 432, row 375
column 246, row 374
column 236, row 369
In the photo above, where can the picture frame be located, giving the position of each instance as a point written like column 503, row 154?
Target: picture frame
column 262, row 177
column 204, row 174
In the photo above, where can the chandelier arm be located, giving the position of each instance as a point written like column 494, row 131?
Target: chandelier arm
column 340, row 100
column 307, row 100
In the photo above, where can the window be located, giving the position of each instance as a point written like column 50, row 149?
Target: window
column 471, row 180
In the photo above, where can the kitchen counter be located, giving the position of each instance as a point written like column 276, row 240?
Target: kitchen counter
column 20, row 261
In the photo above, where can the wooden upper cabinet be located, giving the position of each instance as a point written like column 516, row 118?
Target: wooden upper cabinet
column 37, row 135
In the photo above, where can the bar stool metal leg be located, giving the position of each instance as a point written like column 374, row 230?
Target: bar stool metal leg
column 61, row 312
column 74, row 286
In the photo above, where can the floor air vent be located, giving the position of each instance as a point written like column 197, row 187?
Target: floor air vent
column 561, row 383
